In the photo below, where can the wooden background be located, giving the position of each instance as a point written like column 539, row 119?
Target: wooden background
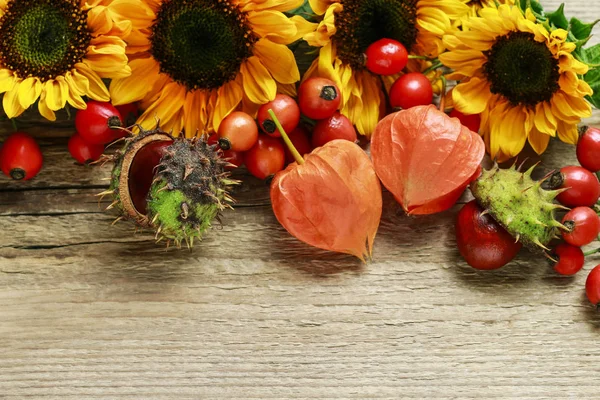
column 90, row 311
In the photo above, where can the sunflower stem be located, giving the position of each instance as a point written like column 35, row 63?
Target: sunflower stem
column 385, row 93
column 415, row 57
column 594, row 251
column 14, row 124
column 286, row 138
column 433, row 67
column 443, row 94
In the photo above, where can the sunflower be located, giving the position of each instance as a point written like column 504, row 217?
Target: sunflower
column 348, row 27
column 193, row 62
column 521, row 78
column 57, row 51
column 476, row 5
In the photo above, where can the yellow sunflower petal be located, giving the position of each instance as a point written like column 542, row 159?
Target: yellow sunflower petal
column 570, row 106
column 7, row 82
column 303, row 27
column 273, row 25
column 194, row 110
column 538, row 140
column 278, row 59
column 106, row 56
column 258, row 83
column 229, row 97
column 435, row 21
column 507, row 133
column 326, row 28
column 97, row 89
column 44, row 110
column 320, row 6
column 568, row 133
column 76, row 92
column 165, row 109
column 369, row 89
column 144, row 73
column 29, row 91
column 451, row 8
column 10, row 102
column 472, row 97
column 54, row 95
column 325, row 64
column 467, row 62
column 274, row 5
column 542, row 123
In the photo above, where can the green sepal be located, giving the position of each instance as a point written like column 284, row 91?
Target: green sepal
column 557, row 18
column 580, row 30
column 535, row 7
column 591, row 56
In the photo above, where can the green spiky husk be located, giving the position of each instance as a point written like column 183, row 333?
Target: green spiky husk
column 186, row 197
column 519, row 204
column 190, row 187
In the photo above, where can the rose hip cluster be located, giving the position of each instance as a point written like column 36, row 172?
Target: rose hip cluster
column 258, row 144
column 21, row 157
column 582, row 193
column 486, row 245
column 389, row 57
column 98, row 125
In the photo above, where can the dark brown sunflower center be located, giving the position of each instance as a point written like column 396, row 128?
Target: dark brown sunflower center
column 362, row 22
column 521, row 69
column 43, row 38
column 201, row 43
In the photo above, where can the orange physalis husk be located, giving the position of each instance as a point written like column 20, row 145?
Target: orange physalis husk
column 332, row 201
column 425, row 158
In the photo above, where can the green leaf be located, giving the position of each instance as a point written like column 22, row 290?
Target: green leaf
column 581, row 30
column 558, row 19
column 591, row 56
column 535, row 6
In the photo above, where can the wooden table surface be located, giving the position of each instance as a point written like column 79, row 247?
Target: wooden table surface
column 94, row 311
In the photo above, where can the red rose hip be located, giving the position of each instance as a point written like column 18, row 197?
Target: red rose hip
column 482, row 242
column 20, row 157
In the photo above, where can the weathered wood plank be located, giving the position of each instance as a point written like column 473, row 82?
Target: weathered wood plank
column 91, row 311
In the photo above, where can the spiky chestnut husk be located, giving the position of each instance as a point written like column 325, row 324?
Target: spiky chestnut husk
column 188, row 185
column 189, row 191
column 519, row 204
column 123, row 160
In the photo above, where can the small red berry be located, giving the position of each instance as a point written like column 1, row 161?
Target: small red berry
column 237, row 132
column 337, row 126
column 582, row 187
column 570, row 259
column 266, row 157
column 592, row 286
column 300, row 140
column 82, row 151
column 318, row 98
column 285, row 109
column 588, row 149
column 482, row 242
column 410, row 90
column 129, row 112
column 386, row 57
column 471, row 121
column 20, row 157
column 99, row 123
column 583, row 226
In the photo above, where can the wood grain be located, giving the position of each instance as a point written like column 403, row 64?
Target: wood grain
column 94, row 311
